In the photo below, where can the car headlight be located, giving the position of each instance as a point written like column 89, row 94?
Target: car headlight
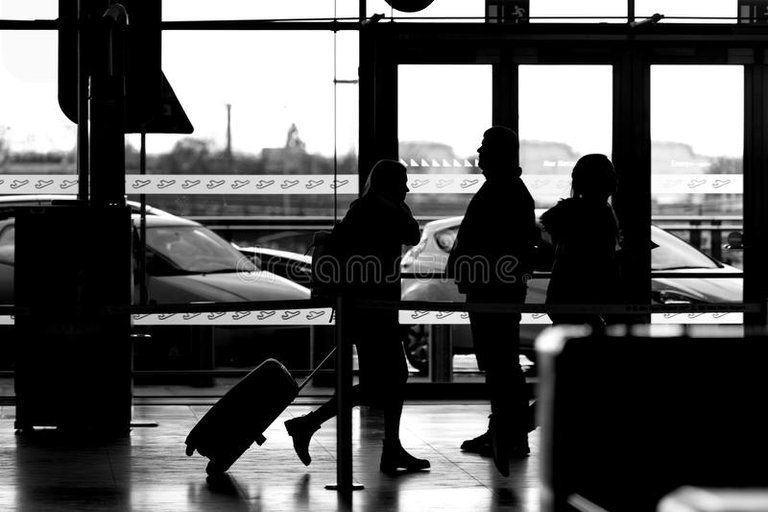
column 413, row 253
column 672, row 297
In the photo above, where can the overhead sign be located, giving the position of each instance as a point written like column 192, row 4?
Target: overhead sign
column 151, row 105
column 753, row 11
column 170, row 117
column 507, row 11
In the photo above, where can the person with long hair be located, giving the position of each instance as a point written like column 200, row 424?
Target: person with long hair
column 369, row 242
column 585, row 234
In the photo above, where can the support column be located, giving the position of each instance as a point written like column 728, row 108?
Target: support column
column 378, row 98
column 632, row 159
column 756, row 186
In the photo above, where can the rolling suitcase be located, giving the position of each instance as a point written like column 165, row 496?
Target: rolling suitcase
column 241, row 416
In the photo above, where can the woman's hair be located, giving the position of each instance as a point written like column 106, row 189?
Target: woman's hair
column 385, row 176
column 593, row 177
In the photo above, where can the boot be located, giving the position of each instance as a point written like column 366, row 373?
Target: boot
column 301, row 430
column 395, row 458
column 480, row 444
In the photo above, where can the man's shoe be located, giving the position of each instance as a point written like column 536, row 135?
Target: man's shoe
column 480, row 445
column 395, row 460
column 301, row 430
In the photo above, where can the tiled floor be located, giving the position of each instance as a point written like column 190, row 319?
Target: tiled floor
column 148, row 470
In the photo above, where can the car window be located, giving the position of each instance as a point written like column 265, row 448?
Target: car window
column 672, row 253
column 195, row 249
column 7, row 244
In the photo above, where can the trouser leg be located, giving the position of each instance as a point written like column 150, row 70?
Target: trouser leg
column 496, row 338
column 331, row 407
column 383, row 374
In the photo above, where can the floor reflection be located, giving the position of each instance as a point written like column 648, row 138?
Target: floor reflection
column 54, row 471
column 149, row 471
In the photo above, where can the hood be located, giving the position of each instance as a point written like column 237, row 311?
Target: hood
column 230, row 287
column 706, row 290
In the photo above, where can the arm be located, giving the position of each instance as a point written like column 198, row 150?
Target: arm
column 397, row 214
column 411, row 230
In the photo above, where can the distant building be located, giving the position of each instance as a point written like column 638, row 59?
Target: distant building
column 292, row 158
column 677, row 158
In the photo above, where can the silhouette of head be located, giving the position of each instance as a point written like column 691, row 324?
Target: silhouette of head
column 499, row 152
column 389, row 179
column 593, row 177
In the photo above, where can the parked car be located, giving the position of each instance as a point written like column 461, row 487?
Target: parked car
column 669, row 253
column 186, row 263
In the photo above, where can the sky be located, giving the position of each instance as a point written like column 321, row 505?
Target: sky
column 272, row 80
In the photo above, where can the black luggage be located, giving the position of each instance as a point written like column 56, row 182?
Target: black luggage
column 241, row 416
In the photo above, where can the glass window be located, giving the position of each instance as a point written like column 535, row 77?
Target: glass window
column 177, row 10
column 697, row 120
column 565, row 113
column 35, row 136
column 26, row 10
column 439, row 135
column 276, row 113
column 271, row 80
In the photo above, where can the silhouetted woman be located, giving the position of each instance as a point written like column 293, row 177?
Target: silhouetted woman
column 370, row 239
column 585, row 234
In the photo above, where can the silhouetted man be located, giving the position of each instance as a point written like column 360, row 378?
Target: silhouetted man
column 490, row 262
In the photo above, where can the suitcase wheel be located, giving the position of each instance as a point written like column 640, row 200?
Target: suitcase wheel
column 260, row 439
column 214, row 469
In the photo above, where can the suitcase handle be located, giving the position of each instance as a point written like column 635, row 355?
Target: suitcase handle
column 312, row 374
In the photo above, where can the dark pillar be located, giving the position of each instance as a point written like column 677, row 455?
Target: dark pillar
column 378, row 98
column 73, row 366
column 756, row 186
column 632, row 159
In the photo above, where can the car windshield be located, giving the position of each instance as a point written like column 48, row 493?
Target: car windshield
column 673, row 253
column 195, row 249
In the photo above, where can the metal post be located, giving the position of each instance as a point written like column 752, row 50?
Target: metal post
column 344, row 483
column 107, row 157
column 230, row 162
column 716, row 240
column 82, row 104
column 142, row 242
column 440, row 354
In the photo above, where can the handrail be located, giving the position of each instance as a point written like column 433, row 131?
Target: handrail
column 659, row 274
column 421, row 306
column 439, row 306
